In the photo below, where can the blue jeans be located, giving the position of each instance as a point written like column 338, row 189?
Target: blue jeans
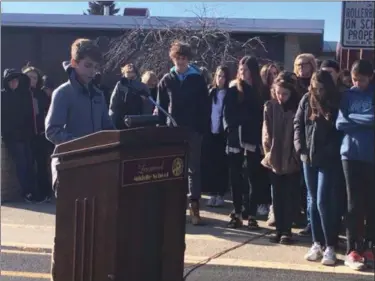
column 308, row 206
column 321, row 184
column 22, row 156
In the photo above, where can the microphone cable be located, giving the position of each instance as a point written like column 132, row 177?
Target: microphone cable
column 202, row 263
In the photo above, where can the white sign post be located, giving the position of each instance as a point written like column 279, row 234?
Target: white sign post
column 358, row 24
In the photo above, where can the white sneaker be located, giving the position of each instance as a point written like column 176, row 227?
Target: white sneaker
column 219, row 201
column 212, row 201
column 315, row 253
column 263, row 210
column 329, row 256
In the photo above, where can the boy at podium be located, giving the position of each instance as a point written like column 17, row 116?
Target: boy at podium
column 77, row 107
column 183, row 93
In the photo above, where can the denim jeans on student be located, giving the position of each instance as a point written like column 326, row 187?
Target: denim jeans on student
column 321, row 184
column 22, row 156
column 308, row 206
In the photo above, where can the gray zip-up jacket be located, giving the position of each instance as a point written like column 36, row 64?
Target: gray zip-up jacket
column 75, row 111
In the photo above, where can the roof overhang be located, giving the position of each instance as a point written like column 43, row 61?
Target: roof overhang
column 286, row 26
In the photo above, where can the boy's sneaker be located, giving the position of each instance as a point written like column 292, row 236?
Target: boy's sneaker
column 329, row 257
column 211, row 202
column 355, row 261
column 275, row 238
column 219, row 201
column 286, row 239
column 368, row 255
column 315, row 253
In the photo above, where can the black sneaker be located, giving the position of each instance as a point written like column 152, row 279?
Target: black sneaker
column 306, row 231
column 275, row 238
column 286, row 239
column 235, row 221
column 253, row 224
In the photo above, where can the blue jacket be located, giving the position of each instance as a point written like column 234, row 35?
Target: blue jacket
column 76, row 111
column 356, row 120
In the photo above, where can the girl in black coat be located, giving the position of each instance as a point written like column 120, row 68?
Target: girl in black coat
column 243, row 118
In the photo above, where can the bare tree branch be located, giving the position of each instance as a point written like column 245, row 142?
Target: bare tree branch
column 148, row 47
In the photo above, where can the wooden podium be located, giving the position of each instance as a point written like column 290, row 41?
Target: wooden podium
column 121, row 206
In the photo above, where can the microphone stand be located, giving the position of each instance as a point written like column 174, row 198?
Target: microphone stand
column 174, row 123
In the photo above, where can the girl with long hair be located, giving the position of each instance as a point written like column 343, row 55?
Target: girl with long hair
column 214, row 160
column 280, row 156
column 268, row 73
column 317, row 142
column 243, row 118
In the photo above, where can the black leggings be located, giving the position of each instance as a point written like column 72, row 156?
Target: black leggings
column 214, row 165
column 253, row 183
column 360, row 188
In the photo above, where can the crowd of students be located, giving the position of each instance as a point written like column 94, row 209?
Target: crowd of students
column 280, row 141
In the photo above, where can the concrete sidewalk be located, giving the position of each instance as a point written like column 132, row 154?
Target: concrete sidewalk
column 30, row 228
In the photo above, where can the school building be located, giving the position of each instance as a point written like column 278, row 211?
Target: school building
column 44, row 39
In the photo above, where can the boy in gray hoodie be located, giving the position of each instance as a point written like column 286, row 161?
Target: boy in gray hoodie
column 77, row 107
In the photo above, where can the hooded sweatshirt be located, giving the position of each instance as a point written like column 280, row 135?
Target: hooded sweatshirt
column 356, row 120
column 17, row 120
column 185, row 97
column 76, row 110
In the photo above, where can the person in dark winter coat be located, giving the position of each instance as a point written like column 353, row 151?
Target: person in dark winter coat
column 18, row 127
column 243, row 118
column 214, row 159
column 128, row 97
column 183, row 93
column 40, row 145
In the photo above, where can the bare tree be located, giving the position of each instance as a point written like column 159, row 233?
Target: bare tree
column 148, row 46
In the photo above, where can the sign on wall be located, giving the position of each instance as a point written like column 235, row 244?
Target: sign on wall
column 358, row 24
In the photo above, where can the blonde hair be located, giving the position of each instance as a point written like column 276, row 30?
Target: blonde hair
column 28, row 68
column 310, row 58
column 148, row 76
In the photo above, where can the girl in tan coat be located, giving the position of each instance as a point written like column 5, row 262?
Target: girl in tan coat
column 280, row 156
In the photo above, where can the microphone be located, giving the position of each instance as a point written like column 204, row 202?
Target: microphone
column 140, row 120
column 149, row 97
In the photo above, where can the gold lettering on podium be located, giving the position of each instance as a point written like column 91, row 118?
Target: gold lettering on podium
column 155, row 169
